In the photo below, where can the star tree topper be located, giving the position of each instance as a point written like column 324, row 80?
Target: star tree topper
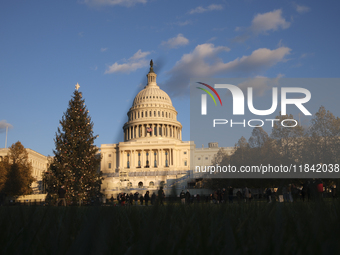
column 77, row 86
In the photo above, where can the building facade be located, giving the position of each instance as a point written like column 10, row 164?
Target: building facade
column 153, row 153
column 39, row 164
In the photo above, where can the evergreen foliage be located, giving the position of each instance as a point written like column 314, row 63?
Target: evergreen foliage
column 317, row 144
column 16, row 173
column 76, row 162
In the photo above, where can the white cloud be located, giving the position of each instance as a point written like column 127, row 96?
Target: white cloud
column 127, row 3
column 212, row 7
column 305, row 55
column 204, row 62
column 302, row 8
column 139, row 54
column 268, row 21
column 103, row 49
column 212, row 39
column 260, row 84
column 261, row 24
column 184, row 23
column 175, row 42
column 181, row 23
column 135, row 62
column 3, row 125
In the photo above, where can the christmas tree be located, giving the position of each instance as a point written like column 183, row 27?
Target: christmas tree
column 76, row 162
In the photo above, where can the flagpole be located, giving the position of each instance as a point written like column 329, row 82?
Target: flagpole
column 6, row 137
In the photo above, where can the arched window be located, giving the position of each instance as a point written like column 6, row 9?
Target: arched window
column 150, row 114
column 151, row 184
column 129, row 184
column 142, row 114
column 162, row 114
column 154, row 113
column 140, row 184
column 166, row 114
column 159, row 114
column 146, row 114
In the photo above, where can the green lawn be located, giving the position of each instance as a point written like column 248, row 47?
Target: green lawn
column 255, row 228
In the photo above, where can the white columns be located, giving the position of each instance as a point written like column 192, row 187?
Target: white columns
column 120, row 160
column 133, row 159
column 142, row 159
column 158, row 162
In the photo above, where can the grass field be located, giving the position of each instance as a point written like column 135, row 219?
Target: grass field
column 254, row 228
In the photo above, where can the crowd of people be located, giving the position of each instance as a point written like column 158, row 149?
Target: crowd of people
column 288, row 193
column 133, row 199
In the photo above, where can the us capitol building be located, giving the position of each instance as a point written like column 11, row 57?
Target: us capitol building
column 153, row 153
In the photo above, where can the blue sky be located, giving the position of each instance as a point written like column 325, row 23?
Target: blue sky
column 106, row 45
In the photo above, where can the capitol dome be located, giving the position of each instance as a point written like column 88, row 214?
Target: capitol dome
column 152, row 114
column 152, row 94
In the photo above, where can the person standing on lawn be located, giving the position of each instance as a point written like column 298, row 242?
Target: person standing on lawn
column 231, row 194
column 146, row 197
column 153, row 198
column 182, row 197
column 187, row 197
column 61, row 195
column 131, row 199
column 135, row 197
column 161, row 196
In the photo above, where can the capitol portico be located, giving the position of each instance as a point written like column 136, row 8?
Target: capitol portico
column 153, row 153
